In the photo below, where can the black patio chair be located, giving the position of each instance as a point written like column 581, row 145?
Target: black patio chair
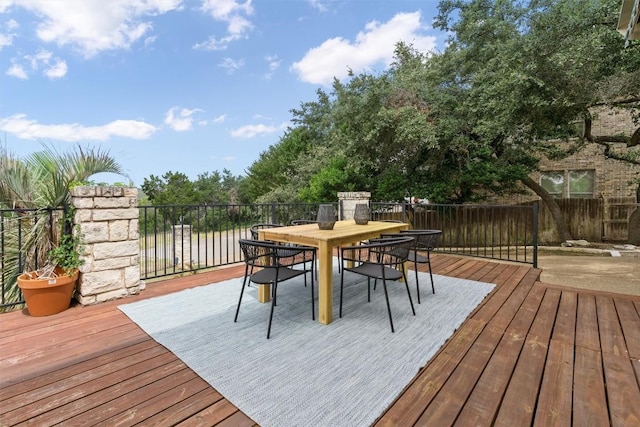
column 425, row 241
column 272, row 269
column 285, row 250
column 379, row 259
column 397, row 221
column 255, row 228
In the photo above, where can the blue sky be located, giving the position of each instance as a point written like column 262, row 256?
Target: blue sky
column 188, row 86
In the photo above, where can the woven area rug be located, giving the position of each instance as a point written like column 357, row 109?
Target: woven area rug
column 308, row 374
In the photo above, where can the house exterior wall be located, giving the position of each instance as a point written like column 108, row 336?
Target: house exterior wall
column 613, row 178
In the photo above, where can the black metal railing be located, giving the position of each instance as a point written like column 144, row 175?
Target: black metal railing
column 20, row 229
column 180, row 239
column 176, row 239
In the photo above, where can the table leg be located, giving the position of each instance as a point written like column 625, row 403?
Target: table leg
column 264, row 293
column 325, row 283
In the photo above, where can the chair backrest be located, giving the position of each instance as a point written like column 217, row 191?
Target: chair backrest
column 394, row 251
column 266, row 254
column 303, row 221
column 391, row 251
column 426, row 240
column 258, row 253
column 255, row 227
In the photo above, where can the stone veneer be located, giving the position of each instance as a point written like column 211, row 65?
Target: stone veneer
column 108, row 220
column 348, row 201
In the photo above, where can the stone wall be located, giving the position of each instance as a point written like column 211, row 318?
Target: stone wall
column 108, row 220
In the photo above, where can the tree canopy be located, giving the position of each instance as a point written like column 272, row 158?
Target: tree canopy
column 516, row 81
column 175, row 188
column 471, row 121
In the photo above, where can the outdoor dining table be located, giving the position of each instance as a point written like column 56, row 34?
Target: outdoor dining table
column 343, row 233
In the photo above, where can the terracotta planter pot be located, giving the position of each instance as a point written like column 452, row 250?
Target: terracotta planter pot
column 45, row 297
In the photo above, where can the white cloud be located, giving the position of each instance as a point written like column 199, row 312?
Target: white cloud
column 92, row 26
column 12, row 24
column 220, row 119
column 180, row 119
column 51, row 66
column 251, row 131
column 231, row 65
column 234, row 14
column 375, row 45
column 56, row 70
column 318, row 4
column 17, row 71
column 5, row 4
column 20, row 126
column 6, row 39
column 274, row 63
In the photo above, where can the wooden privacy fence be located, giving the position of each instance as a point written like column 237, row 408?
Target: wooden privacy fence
column 615, row 219
column 506, row 232
column 594, row 220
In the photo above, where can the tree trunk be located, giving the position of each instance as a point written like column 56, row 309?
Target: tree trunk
column 634, row 222
column 556, row 212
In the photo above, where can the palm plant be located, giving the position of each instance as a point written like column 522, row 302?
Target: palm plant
column 28, row 186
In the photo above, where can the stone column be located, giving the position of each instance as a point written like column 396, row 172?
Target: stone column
column 182, row 246
column 348, row 201
column 108, row 220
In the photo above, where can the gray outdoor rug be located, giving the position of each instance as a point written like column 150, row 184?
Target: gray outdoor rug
column 308, row 374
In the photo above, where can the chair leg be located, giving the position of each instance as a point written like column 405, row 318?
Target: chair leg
column 433, row 288
column 250, row 273
column 417, row 284
column 273, row 294
column 244, row 283
column 406, row 284
column 386, row 295
column 273, row 304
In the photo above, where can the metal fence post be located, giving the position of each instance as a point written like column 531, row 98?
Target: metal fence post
column 273, row 213
column 535, row 233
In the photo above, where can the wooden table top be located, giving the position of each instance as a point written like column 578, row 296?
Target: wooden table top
column 343, row 232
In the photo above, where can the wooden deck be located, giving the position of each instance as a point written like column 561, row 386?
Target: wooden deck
column 530, row 354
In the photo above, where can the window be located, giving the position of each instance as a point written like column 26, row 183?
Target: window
column 553, row 182
column 572, row 183
column 581, row 184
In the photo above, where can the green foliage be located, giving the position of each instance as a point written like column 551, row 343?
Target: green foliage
column 45, row 178
column 277, row 167
column 175, row 188
column 67, row 254
column 325, row 184
column 42, row 180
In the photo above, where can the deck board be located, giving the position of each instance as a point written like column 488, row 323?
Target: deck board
column 530, row 353
column 589, row 396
